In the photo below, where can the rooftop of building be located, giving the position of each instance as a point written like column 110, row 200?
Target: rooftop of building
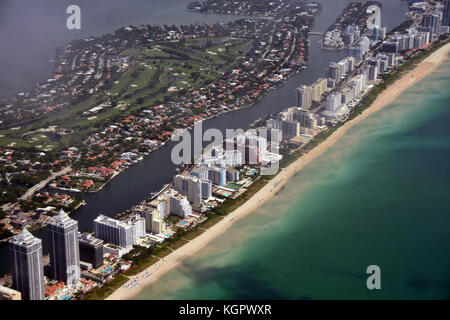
column 25, row 238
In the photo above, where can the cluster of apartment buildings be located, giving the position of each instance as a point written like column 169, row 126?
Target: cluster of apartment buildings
column 72, row 252
column 26, row 258
column 348, row 79
column 294, row 121
column 91, row 65
column 349, row 27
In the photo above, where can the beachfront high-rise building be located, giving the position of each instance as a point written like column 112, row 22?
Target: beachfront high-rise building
column 251, row 139
column 374, row 61
column 252, row 147
column 390, row 46
column 356, row 52
column 384, row 62
column 379, row 33
column 331, row 83
column 163, row 208
column 364, row 44
column 334, row 72
column 158, row 226
column 64, row 249
column 195, row 189
column 375, row 33
column 305, row 118
column 419, row 40
column 231, row 158
column 343, row 67
column 91, row 250
column 373, row 73
column 359, row 83
column 137, row 223
column 316, row 94
column 304, row 97
column 218, row 176
column 446, row 13
column 200, row 172
column 433, row 21
column 180, row 206
column 232, row 174
column 334, row 101
column 148, row 217
column 26, row 265
column 291, row 129
column 350, row 64
column 272, row 136
column 273, row 124
column 153, row 224
column 351, row 34
column 113, row 231
column 318, row 89
column 390, row 58
column 348, row 94
column 408, row 41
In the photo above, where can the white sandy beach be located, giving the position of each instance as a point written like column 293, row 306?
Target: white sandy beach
column 151, row 274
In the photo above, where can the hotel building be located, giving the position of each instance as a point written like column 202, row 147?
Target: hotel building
column 26, row 265
column 64, row 249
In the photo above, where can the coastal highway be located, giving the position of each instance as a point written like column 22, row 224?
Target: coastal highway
column 43, row 183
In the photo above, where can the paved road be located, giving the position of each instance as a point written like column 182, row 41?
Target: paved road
column 43, row 183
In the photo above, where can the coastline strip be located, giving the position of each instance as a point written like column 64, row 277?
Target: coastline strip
column 390, row 94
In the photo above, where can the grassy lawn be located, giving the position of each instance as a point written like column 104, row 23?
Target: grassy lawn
column 107, row 289
column 210, row 222
column 162, row 252
column 193, row 234
column 178, row 244
column 233, row 186
column 7, row 141
column 152, row 73
column 141, row 266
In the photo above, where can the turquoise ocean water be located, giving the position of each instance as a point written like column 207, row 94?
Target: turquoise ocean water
column 380, row 195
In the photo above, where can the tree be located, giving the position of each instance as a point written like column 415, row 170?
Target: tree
column 2, row 214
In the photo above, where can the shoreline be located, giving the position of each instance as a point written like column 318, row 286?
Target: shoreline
column 423, row 69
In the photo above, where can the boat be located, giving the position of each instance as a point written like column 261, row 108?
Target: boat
column 255, row 122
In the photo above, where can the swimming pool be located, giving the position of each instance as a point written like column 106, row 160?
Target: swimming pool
column 107, row 270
